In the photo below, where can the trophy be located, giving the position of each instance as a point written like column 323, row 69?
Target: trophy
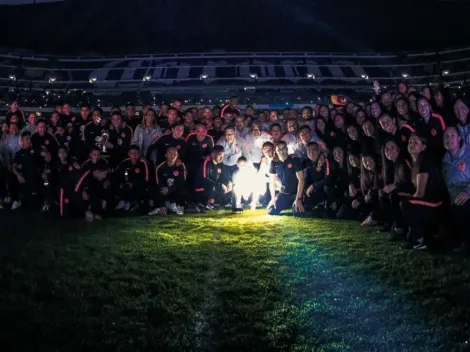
column 104, row 140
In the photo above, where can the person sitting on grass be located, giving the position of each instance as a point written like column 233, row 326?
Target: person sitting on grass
column 456, row 171
column 290, row 171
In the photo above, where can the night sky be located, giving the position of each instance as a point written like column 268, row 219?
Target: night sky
column 155, row 26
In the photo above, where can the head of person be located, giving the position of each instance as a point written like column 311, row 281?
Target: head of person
column 60, row 129
column 164, row 108
column 217, row 123
column 130, row 110
column 320, row 125
column 360, row 117
column 100, row 171
column 262, row 117
column 63, row 153
column 177, row 104
column 292, row 126
column 424, row 107
column 54, row 118
column 12, row 129
column 273, row 116
column 188, row 117
column 42, row 127
column 427, row 93
column 324, row 112
column 402, row 88
column 416, row 145
column 391, row 150
column 339, row 121
column 354, row 160
column 13, row 106
column 307, row 113
column 452, row 139
column 461, row 111
column 95, row 154
column 4, row 127
column 178, row 130
column 60, row 108
column 276, row 131
column 353, row 132
column 375, row 109
column 368, row 128
column 201, row 132
column 338, row 154
column 216, row 111
column 313, row 151
column 242, row 162
column 250, row 110
column 229, row 134
column 402, row 106
column 233, row 101
column 116, row 120
column 85, row 111
column 439, row 98
column 255, row 129
column 25, row 140
column 218, row 154
column 207, row 113
column 412, row 99
column 66, row 109
column 386, row 99
column 14, row 118
column 149, row 118
column 240, row 122
column 134, row 153
column 268, row 150
column 172, row 115
column 145, row 108
column 305, row 134
column 281, row 150
column 368, row 162
column 387, row 123
column 97, row 115
column 32, row 118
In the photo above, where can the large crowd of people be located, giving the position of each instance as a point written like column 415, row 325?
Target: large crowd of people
column 398, row 162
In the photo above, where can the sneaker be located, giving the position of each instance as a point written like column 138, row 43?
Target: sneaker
column 237, row 210
column 121, row 205
column 201, row 208
column 155, row 211
column 209, row 206
column 179, row 210
column 369, row 222
column 127, row 207
column 16, row 204
column 420, row 246
column 172, row 207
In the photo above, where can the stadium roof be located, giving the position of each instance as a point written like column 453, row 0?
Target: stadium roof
column 148, row 26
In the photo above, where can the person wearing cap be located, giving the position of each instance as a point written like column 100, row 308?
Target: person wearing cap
column 212, row 182
column 290, row 171
column 132, row 178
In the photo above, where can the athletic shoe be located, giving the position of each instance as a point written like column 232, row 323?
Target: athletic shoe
column 121, row 205
column 173, row 207
column 128, row 206
column 420, row 246
column 369, row 222
column 200, row 208
column 16, row 204
column 209, row 206
column 179, row 210
column 155, row 211
column 237, row 210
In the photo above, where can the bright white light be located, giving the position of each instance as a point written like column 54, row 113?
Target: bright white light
column 47, row 92
column 147, row 78
column 364, row 76
column 253, row 75
column 52, row 79
column 310, row 76
column 405, row 75
column 204, row 76
column 12, row 77
column 445, row 72
column 93, row 79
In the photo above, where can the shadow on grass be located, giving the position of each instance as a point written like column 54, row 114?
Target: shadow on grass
column 139, row 284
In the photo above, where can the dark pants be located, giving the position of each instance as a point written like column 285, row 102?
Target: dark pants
column 423, row 217
column 459, row 225
column 283, row 201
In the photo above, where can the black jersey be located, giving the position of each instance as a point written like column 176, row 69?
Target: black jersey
column 171, row 176
column 317, row 173
column 157, row 150
column 197, row 151
column 287, row 173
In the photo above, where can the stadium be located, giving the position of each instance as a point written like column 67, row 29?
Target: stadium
column 220, row 281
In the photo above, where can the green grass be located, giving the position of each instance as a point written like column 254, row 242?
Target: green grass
column 221, row 282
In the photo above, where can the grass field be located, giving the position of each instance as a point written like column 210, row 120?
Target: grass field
column 223, row 282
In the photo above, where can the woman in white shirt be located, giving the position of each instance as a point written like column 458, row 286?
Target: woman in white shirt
column 147, row 132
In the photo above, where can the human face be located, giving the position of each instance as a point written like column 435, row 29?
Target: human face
column 281, row 150
column 164, row 108
column 234, row 101
column 14, row 106
column 439, row 98
column 177, row 104
column 368, row 128
column 116, row 120
column 13, row 129
column 321, row 125
column 276, row 133
column 338, row 154
column 217, row 123
column 14, row 119
column 339, row 121
column 402, row 88
column 62, row 154
column 353, row 133
column 188, row 118
column 130, row 111
column 305, row 135
column 149, row 118
column 26, row 142
column 360, row 117
column 424, row 109
column 306, row 114
column 292, row 126
column 172, row 116
column 427, row 93
column 387, row 99
column 256, row 130
column 54, row 118
column 134, row 155
column 32, row 119
column 178, row 131
column 250, row 111
column 402, row 107
column 201, row 132
column 268, row 152
column 368, row 163
column 387, row 123
column 66, row 109
column 461, row 111
column 4, row 128
column 229, row 135
column 94, row 156
column 324, row 112
column 273, row 116
column 84, row 112
column 313, row 152
column 96, row 117
column 415, row 146
column 207, row 113
column 240, row 123
column 262, row 117
column 451, row 139
column 391, row 151
column 353, row 161
column 412, row 102
column 218, row 157
column 375, row 110
column 42, row 128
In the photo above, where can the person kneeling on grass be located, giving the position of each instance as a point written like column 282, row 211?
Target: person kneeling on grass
column 290, row 171
column 169, row 192
column 244, row 184
column 88, row 196
column 213, row 181
column 456, row 170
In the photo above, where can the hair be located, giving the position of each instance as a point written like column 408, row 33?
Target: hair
column 242, row 158
column 305, row 127
column 130, row 105
column 134, row 147
column 95, row 148
column 419, row 160
column 98, row 110
column 313, row 143
column 218, row 149
column 268, row 144
column 276, row 125
column 369, row 179
column 281, row 142
column 116, row 113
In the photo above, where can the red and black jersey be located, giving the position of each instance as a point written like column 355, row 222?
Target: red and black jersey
column 127, row 172
column 433, row 130
column 47, row 140
column 121, row 138
column 211, row 176
column 171, row 176
column 89, row 165
column 317, row 173
column 197, row 151
column 92, row 135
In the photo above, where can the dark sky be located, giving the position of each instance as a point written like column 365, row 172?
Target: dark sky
column 137, row 26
